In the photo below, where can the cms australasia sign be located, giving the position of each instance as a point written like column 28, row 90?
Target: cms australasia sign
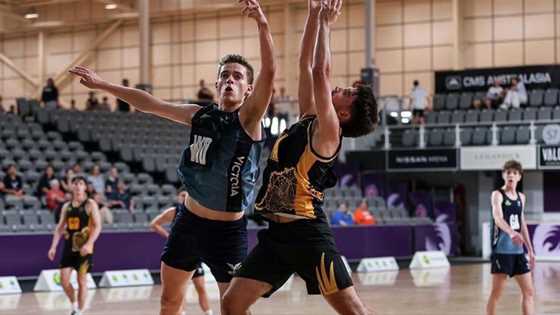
column 549, row 156
column 534, row 77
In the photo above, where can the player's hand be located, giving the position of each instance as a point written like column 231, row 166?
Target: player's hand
column 315, row 6
column 517, row 238
column 51, row 254
column 252, row 9
column 86, row 249
column 88, row 77
column 532, row 260
column 332, row 11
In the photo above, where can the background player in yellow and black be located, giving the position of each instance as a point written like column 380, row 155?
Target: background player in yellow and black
column 80, row 225
column 299, row 170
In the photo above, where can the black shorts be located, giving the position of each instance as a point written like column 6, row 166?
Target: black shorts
column 418, row 113
column 222, row 245
column 198, row 272
column 510, row 264
column 305, row 247
column 70, row 259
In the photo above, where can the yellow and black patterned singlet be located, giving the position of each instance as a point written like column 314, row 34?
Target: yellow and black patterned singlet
column 77, row 226
column 296, row 176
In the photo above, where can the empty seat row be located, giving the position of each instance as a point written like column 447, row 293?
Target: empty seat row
column 453, row 101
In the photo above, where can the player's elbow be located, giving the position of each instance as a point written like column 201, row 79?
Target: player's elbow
column 320, row 73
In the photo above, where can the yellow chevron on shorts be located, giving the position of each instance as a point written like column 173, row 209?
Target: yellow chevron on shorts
column 84, row 267
column 327, row 283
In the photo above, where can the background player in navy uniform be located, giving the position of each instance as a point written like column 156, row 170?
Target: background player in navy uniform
column 80, row 224
column 299, row 169
column 509, row 233
column 219, row 168
column 166, row 217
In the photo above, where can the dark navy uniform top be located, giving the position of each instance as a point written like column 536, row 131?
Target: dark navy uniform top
column 220, row 166
column 512, row 212
column 77, row 226
column 296, row 176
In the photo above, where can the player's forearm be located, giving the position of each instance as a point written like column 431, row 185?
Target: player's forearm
column 308, row 41
column 323, row 51
column 139, row 99
column 525, row 233
column 56, row 238
column 268, row 63
column 94, row 234
column 502, row 225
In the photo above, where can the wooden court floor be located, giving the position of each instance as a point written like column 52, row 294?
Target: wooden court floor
column 460, row 290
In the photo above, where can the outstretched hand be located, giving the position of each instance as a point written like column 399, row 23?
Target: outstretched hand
column 88, row 77
column 331, row 10
column 252, row 9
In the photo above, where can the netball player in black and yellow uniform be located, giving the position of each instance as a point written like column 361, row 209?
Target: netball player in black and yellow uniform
column 80, row 224
column 299, row 169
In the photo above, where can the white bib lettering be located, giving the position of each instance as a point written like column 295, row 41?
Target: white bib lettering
column 514, row 222
column 199, row 149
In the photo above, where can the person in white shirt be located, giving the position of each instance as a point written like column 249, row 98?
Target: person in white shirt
column 495, row 95
column 418, row 102
column 516, row 95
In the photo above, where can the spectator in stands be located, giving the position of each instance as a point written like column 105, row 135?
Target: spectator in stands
column 282, row 97
column 2, row 189
column 73, row 105
column 123, row 106
column 342, row 216
column 105, row 106
column 122, row 199
column 96, row 179
column 77, row 169
column 362, row 215
column 12, row 110
column 55, row 196
column 516, row 95
column 104, row 211
column 13, row 184
column 44, row 182
column 49, row 96
column 111, row 182
column 66, row 182
column 1, row 105
column 92, row 103
column 495, row 95
column 204, row 93
column 90, row 191
column 418, row 102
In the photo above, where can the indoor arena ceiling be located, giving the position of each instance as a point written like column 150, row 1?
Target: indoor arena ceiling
column 62, row 13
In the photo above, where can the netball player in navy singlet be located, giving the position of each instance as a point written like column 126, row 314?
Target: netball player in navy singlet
column 509, row 234
column 219, row 166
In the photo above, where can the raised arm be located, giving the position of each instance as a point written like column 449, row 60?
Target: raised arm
column 525, row 234
column 163, row 218
column 58, row 230
column 255, row 105
column 306, row 99
column 498, row 216
column 139, row 99
column 326, row 137
column 94, row 227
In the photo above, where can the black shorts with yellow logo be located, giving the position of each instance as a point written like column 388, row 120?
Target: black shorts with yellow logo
column 72, row 259
column 305, row 247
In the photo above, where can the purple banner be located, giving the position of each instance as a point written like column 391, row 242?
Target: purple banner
column 440, row 236
column 26, row 255
column 546, row 239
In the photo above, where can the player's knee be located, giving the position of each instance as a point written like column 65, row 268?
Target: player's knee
column 528, row 293
column 171, row 300
column 231, row 305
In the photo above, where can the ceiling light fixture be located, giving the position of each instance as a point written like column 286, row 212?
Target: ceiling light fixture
column 32, row 14
column 111, row 6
